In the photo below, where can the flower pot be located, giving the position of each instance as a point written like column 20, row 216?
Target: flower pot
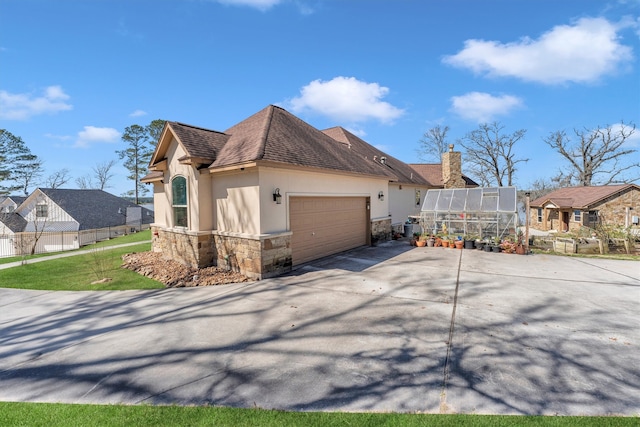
column 520, row 250
column 445, row 243
column 480, row 245
column 431, row 242
column 459, row 244
column 487, row 248
column 469, row 244
column 421, row 243
column 496, row 248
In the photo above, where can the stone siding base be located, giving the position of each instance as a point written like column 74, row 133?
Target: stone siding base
column 255, row 257
column 380, row 230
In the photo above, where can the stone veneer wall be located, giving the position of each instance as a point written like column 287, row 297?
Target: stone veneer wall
column 189, row 248
column 380, row 230
column 256, row 258
column 452, row 169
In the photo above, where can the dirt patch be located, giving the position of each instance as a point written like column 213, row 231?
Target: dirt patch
column 176, row 275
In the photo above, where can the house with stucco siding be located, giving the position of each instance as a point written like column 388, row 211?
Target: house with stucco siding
column 272, row 192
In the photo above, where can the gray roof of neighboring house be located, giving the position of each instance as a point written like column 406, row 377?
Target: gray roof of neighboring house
column 581, row 197
column 94, row 208
column 13, row 221
column 276, row 136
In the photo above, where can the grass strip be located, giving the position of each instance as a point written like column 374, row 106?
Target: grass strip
column 55, row 414
column 77, row 273
column 142, row 236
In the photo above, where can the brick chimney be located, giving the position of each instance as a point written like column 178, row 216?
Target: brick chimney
column 452, row 169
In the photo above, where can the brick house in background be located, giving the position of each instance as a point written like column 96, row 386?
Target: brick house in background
column 568, row 209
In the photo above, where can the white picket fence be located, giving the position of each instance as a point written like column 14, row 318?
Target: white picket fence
column 23, row 243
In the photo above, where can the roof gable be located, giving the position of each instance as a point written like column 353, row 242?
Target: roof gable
column 199, row 143
column 581, row 197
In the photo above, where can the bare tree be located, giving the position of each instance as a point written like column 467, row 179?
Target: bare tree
column 84, row 182
column 433, row 143
column 103, row 173
column 599, row 156
column 490, row 154
column 58, row 178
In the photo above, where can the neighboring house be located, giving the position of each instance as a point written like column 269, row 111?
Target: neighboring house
column 568, row 209
column 70, row 212
column 272, row 192
column 10, row 203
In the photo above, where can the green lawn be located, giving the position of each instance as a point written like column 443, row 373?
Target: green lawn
column 142, row 236
column 48, row 414
column 76, row 273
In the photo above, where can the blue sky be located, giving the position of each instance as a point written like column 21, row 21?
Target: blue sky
column 75, row 73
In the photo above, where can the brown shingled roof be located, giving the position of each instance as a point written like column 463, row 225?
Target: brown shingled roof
column 199, row 142
column 275, row 135
column 431, row 172
column 391, row 166
column 580, row 197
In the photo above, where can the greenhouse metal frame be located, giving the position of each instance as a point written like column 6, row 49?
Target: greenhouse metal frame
column 481, row 212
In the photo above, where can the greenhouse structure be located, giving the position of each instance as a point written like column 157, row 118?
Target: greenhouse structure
column 478, row 213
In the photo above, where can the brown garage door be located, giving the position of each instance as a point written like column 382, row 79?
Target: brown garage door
column 323, row 226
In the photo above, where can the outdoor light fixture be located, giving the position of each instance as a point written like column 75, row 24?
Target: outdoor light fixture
column 276, row 196
column 381, row 196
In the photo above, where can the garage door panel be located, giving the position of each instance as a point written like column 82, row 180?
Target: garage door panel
column 323, row 226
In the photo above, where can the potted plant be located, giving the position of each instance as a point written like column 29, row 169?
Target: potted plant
column 459, row 242
column 422, row 240
column 414, row 239
column 469, row 242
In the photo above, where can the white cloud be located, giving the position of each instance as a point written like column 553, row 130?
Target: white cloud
column 346, row 99
column 59, row 137
column 482, row 107
column 258, row 4
column 92, row 134
column 22, row 106
column 138, row 113
column 581, row 53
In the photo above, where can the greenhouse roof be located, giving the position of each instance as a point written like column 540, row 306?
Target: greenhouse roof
column 479, row 199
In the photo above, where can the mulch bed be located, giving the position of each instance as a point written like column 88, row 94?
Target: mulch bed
column 176, row 275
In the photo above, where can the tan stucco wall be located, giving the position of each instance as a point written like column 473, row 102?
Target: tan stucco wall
column 293, row 183
column 402, row 202
column 236, row 201
column 234, row 222
column 200, row 209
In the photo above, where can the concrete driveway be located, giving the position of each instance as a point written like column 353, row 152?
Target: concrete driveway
column 391, row 328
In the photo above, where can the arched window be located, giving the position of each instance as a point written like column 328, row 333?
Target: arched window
column 179, row 201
